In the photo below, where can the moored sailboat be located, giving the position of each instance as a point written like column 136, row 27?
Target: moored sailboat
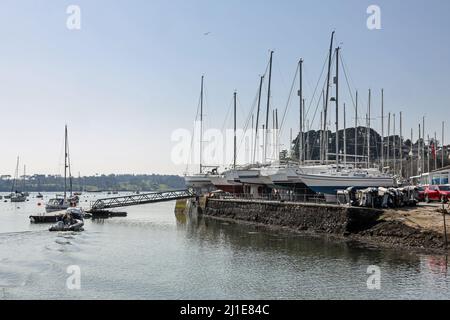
column 17, row 196
column 63, row 202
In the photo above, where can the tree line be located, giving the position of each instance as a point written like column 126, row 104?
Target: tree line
column 112, row 182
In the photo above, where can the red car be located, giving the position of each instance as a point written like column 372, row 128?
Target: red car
column 437, row 193
column 421, row 193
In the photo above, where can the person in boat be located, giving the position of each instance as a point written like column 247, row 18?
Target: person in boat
column 76, row 214
column 72, row 220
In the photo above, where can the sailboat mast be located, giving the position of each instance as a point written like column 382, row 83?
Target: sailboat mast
column 382, row 128
column 305, row 134
column 65, row 162
column 201, row 126
column 300, row 94
column 368, row 130
column 428, row 153
column 394, row 145
column 419, row 152
column 268, row 105
column 16, row 173
column 234, row 155
column 388, row 149
column 423, row 144
column 356, row 129
column 442, row 143
column 401, row 144
column 412, row 152
column 435, row 150
column 325, row 111
column 257, row 118
column 322, row 132
column 345, row 137
column 337, row 105
column 252, row 138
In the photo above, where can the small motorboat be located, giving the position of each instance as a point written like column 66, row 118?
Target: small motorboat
column 57, row 204
column 61, row 203
column 39, row 196
column 18, row 197
column 60, row 226
column 73, row 220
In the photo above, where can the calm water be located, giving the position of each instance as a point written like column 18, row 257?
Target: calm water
column 152, row 254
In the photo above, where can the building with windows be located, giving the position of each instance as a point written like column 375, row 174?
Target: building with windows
column 436, row 177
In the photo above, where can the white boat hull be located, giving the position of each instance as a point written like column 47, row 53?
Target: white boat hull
column 329, row 184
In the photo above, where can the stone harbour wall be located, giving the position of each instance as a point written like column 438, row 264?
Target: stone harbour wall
column 321, row 218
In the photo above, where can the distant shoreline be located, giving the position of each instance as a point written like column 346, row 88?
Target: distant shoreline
column 103, row 183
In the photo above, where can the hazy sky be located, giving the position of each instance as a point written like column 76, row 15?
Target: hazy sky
column 131, row 75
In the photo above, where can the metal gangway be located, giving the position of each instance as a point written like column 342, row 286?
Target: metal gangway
column 138, row 199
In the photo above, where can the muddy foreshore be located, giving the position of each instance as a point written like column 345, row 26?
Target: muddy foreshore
column 417, row 229
column 396, row 234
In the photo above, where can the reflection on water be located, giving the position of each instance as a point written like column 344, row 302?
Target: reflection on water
column 154, row 254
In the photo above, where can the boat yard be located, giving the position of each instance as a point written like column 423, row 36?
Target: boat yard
column 323, row 182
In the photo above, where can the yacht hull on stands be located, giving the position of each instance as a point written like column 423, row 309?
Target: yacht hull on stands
column 330, row 184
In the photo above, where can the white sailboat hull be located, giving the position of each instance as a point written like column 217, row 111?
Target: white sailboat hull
column 329, row 184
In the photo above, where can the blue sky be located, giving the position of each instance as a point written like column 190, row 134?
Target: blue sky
column 131, row 75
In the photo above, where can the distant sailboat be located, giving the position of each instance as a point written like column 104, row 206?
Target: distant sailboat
column 63, row 203
column 17, row 196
